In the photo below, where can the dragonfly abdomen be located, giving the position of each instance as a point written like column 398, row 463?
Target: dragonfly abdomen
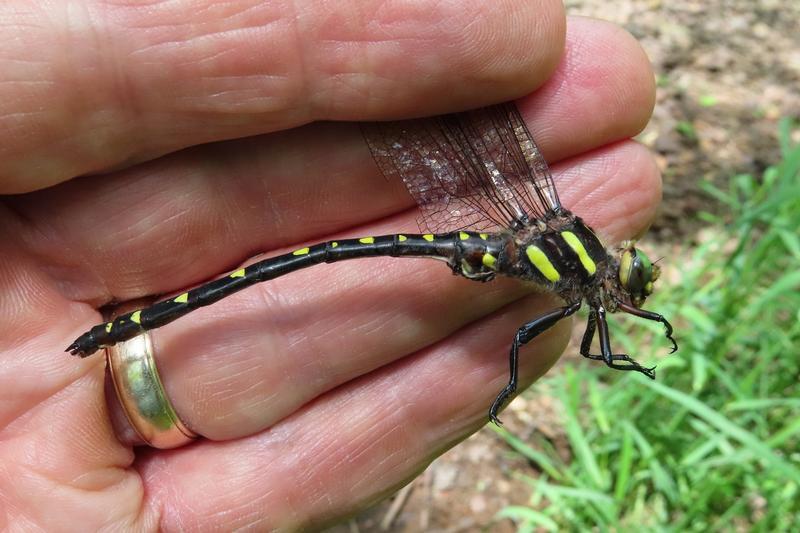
column 458, row 248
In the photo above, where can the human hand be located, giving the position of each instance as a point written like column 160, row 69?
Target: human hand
column 319, row 392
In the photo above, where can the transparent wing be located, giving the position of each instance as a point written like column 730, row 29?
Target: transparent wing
column 479, row 169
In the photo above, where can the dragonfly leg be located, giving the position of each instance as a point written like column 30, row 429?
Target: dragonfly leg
column 655, row 317
column 525, row 334
column 597, row 321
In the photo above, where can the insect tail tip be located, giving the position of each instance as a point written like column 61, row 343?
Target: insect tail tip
column 74, row 349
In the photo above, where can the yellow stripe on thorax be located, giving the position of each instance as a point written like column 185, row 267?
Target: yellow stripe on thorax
column 539, row 259
column 577, row 246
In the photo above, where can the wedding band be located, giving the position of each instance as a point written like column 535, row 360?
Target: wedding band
column 142, row 396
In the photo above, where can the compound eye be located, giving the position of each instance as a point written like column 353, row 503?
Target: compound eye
column 636, row 273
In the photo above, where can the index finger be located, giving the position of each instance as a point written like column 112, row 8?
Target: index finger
column 117, row 83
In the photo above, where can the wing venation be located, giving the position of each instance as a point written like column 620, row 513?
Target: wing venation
column 478, row 169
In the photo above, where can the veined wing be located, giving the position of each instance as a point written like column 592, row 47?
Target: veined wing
column 478, row 169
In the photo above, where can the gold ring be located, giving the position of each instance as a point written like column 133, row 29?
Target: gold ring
column 142, row 396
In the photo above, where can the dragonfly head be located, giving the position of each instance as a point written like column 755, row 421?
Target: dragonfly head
column 637, row 273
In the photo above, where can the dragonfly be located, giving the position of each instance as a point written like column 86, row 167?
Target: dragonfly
column 489, row 206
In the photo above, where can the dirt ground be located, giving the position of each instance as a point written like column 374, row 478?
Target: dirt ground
column 727, row 71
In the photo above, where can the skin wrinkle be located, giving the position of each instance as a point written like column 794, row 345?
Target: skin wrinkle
column 198, row 41
column 232, row 104
column 210, row 102
column 401, row 409
column 122, row 87
column 241, row 100
column 610, row 162
column 235, row 167
column 216, row 107
column 144, row 228
column 186, row 206
column 66, row 487
column 25, row 229
column 175, row 513
column 355, row 284
column 24, row 83
column 385, row 458
column 27, row 302
column 229, row 11
column 303, row 484
column 229, row 418
column 12, row 415
column 97, row 116
column 211, row 403
column 249, row 406
column 134, row 3
column 324, row 371
column 476, row 40
column 306, row 94
column 201, row 17
column 255, row 76
column 228, row 394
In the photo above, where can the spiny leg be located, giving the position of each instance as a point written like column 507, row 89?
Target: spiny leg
column 597, row 320
column 524, row 335
column 649, row 315
column 588, row 337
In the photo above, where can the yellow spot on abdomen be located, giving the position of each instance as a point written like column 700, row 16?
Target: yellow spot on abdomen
column 137, row 317
column 428, row 237
column 182, row 299
column 402, row 238
column 463, row 236
column 301, row 251
column 489, row 260
column 366, row 240
column 577, row 246
column 483, row 236
column 539, row 259
column 334, row 244
column 238, row 274
column 108, row 327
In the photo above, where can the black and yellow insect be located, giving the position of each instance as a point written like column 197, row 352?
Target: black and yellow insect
column 470, row 173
